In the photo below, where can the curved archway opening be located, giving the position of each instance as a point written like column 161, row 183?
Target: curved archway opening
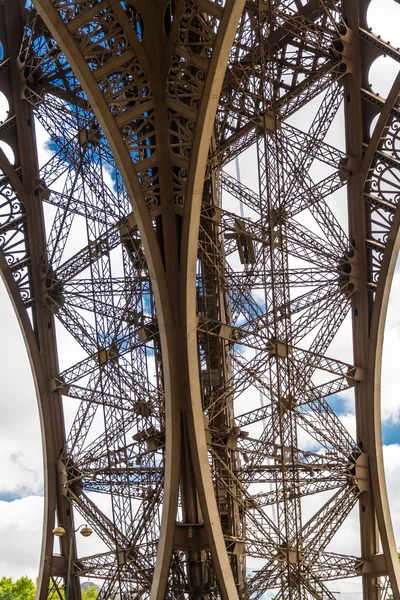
column 8, row 151
column 391, row 400
column 4, row 107
column 382, row 74
column 378, row 20
column 21, row 484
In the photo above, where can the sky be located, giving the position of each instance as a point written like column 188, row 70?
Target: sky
column 21, row 476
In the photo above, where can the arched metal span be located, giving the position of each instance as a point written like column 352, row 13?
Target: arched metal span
column 200, row 260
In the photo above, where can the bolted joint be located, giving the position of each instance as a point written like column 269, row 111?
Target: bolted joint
column 232, row 436
column 57, row 383
column 279, row 348
column 376, row 566
column 289, row 555
column 267, row 123
column 277, row 219
column 244, row 243
column 69, row 478
column 89, row 136
column 347, row 167
column 152, row 437
column 287, row 403
column 190, row 537
column 105, row 355
column 358, row 471
column 349, row 280
column 52, row 291
column 39, row 187
column 343, row 48
column 142, row 408
column 355, row 374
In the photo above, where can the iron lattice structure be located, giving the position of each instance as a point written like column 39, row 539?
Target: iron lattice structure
column 184, row 321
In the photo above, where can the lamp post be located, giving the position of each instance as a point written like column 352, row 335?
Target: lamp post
column 59, row 532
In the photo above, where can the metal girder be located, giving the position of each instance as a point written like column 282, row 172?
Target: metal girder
column 203, row 310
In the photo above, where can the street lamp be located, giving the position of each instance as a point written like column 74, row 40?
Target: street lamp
column 59, row 532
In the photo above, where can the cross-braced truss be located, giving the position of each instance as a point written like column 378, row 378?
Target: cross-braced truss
column 195, row 328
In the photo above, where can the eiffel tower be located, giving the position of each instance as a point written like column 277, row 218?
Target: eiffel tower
column 200, row 258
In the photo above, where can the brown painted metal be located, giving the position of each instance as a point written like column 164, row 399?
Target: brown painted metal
column 201, row 332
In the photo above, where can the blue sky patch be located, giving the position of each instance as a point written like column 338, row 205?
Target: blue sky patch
column 390, row 433
column 10, row 496
column 338, row 404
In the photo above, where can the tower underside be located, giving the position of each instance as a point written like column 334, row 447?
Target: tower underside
column 198, row 230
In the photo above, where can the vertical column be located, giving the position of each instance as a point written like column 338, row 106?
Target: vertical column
column 361, row 299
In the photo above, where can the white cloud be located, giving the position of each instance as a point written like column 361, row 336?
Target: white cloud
column 20, row 536
column 390, row 361
column 392, row 461
column 384, row 16
column 20, row 438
